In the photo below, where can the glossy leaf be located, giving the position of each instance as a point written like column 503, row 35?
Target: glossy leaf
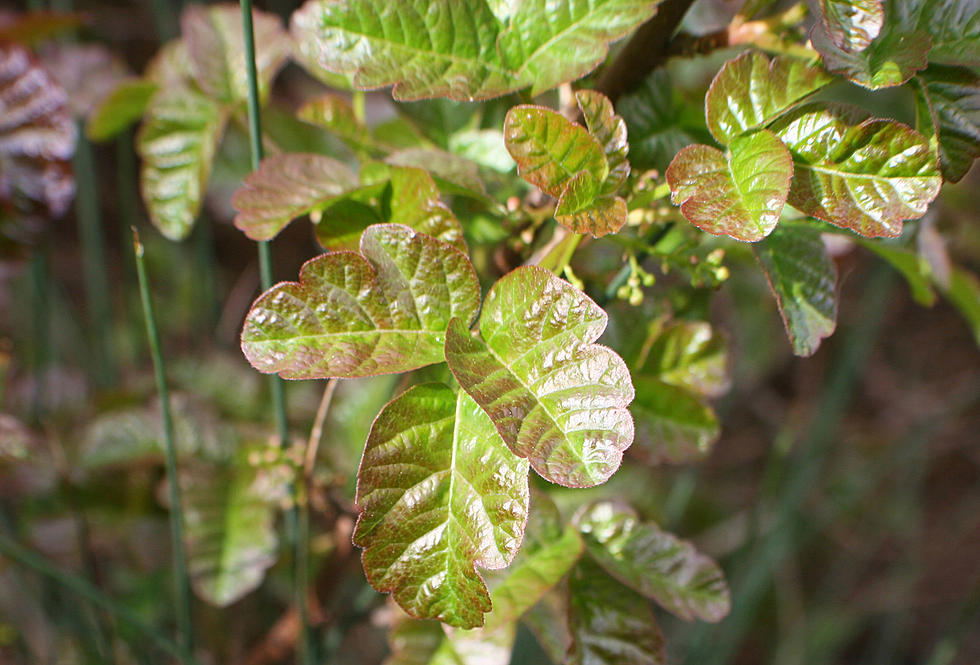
column 610, row 131
column 439, row 495
column 342, row 222
column 462, row 50
column 37, row 136
column 606, row 214
column 230, row 528
column 740, row 195
column 950, row 97
column 382, row 311
column 688, row 354
column 119, row 109
column 653, row 562
column 216, row 49
column 610, row 623
column 555, row 397
column 751, row 91
column 954, row 26
column 803, row 278
column 672, row 424
column 859, row 173
column 177, row 142
column 415, row 202
column 550, row 150
column 852, row 24
column 285, row 187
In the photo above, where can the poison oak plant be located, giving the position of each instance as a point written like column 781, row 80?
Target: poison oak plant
column 531, row 241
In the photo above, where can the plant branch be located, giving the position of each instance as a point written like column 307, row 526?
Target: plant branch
column 181, row 580
column 645, row 51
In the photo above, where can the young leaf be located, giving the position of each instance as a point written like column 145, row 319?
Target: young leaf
column 415, row 202
column 550, row 150
column 555, row 397
column 230, row 529
column 852, row 24
column 653, row 562
column 610, row 131
column 546, row 45
column 119, row 109
column 803, row 278
column 950, row 97
column 687, row 354
column 954, row 26
column 439, row 495
column 343, row 221
column 749, row 92
column 672, row 424
column 859, row 173
column 177, row 142
column 334, row 113
column 741, row 195
column 605, row 214
column 610, row 623
column 453, row 174
column 216, row 50
column 379, row 312
column 285, row 187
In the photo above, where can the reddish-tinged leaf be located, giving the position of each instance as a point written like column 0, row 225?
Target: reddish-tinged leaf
column 890, row 60
column 610, row 131
column 739, row 195
column 852, row 24
column 751, row 91
column 285, row 187
column 555, row 397
column 439, row 495
column 379, row 312
column 415, row 202
column 603, row 215
column 859, row 173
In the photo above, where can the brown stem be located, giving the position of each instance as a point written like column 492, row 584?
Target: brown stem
column 645, row 51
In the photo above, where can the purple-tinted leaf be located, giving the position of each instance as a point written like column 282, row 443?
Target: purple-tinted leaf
column 653, row 562
column 750, row 92
column 610, row 131
column 852, row 24
column 121, row 107
column 87, row 73
column 379, row 312
column 554, row 396
column 949, row 100
column 550, row 150
column 177, row 142
column 803, row 278
column 610, row 623
column 740, row 194
column 859, row 173
column 216, row 49
column 672, row 423
column 439, row 495
column 37, row 136
column 285, row 187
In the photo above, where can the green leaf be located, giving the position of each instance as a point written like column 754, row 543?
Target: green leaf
column 859, row 173
column 890, row 59
column 216, row 50
column 687, row 354
column 485, row 147
column 739, row 195
column 546, row 44
column 550, row 150
column 439, row 495
column 379, row 312
column 465, row 50
column 119, row 109
column 653, row 562
column 415, row 202
column 955, row 29
column 658, row 122
column 230, row 528
column 950, row 98
column 672, row 423
column 606, row 214
column 912, row 267
column 803, row 278
column 341, row 223
column 555, row 397
column 751, row 91
column 610, row 131
column 335, row 114
column 285, row 187
column 413, row 642
column 176, row 142
column 453, row 174
column 548, row 621
column 852, row 24
column 610, row 623
column 964, row 294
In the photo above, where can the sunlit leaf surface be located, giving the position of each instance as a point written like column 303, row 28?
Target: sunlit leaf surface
column 950, row 97
column 555, row 397
column 439, row 495
column 852, row 24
